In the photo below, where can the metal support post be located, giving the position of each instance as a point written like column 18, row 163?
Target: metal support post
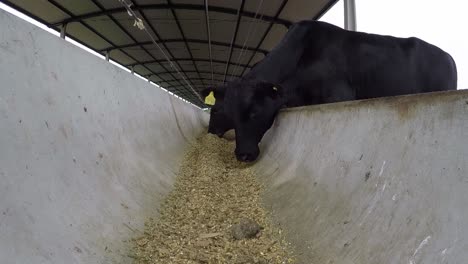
column 63, row 31
column 350, row 15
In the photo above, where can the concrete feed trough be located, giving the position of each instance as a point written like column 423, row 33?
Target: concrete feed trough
column 87, row 150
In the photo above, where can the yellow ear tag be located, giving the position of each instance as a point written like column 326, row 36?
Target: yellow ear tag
column 210, row 99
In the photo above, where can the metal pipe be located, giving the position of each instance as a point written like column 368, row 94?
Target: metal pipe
column 171, row 63
column 350, row 15
column 63, row 31
column 234, row 36
column 207, row 16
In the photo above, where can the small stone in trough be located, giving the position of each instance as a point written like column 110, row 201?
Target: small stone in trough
column 246, row 228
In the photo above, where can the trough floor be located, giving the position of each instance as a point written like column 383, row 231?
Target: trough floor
column 201, row 219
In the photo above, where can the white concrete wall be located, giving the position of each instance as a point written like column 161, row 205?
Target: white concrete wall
column 377, row 181
column 75, row 183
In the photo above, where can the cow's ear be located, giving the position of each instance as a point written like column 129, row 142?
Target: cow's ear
column 208, row 96
column 210, row 99
column 205, row 92
column 217, row 91
column 211, row 94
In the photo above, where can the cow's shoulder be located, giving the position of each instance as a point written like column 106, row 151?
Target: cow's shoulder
column 317, row 25
column 313, row 30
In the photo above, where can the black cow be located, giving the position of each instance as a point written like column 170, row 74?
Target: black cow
column 219, row 123
column 317, row 63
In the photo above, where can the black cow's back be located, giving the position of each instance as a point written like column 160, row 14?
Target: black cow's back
column 388, row 66
column 317, row 62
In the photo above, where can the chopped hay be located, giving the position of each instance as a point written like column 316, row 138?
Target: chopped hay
column 212, row 194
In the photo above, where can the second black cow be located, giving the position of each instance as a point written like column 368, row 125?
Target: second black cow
column 317, row 63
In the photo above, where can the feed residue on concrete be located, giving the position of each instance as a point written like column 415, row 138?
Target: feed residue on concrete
column 214, row 214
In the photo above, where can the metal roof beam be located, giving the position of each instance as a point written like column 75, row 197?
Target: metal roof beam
column 202, row 72
column 280, row 9
column 143, row 15
column 177, row 40
column 234, row 37
column 156, row 33
column 278, row 12
column 117, row 23
column 208, row 31
column 219, row 9
column 66, row 11
column 174, row 14
column 184, row 59
column 178, row 87
column 196, row 79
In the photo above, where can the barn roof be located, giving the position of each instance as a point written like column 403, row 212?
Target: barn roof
column 208, row 42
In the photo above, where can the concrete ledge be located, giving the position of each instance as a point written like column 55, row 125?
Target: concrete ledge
column 372, row 181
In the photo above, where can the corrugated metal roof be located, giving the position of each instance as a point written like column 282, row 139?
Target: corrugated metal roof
column 180, row 28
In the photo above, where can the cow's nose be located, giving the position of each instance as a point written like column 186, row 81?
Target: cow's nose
column 245, row 157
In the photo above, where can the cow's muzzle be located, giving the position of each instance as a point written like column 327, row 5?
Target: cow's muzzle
column 247, row 156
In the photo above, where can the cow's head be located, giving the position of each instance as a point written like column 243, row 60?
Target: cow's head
column 252, row 106
column 219, row 121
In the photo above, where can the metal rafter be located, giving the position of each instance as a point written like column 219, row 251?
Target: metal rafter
column 117, row 23
column 195, row 79
column 183, row 37
column 183, row 59
column 66, row 11
column 267, row 31
column 280, row 9
column 201, row 72
column 208, row 32
column 177, row 40
column 177, row 90
column 248, row 36
column 234, row 37
column 171, row 6
column 143, row 15
column 159, row 37
column 182, row 93
column 177, row 87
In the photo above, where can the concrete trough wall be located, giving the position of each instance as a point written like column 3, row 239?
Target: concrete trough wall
column 87, row 150
column 378, row 181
